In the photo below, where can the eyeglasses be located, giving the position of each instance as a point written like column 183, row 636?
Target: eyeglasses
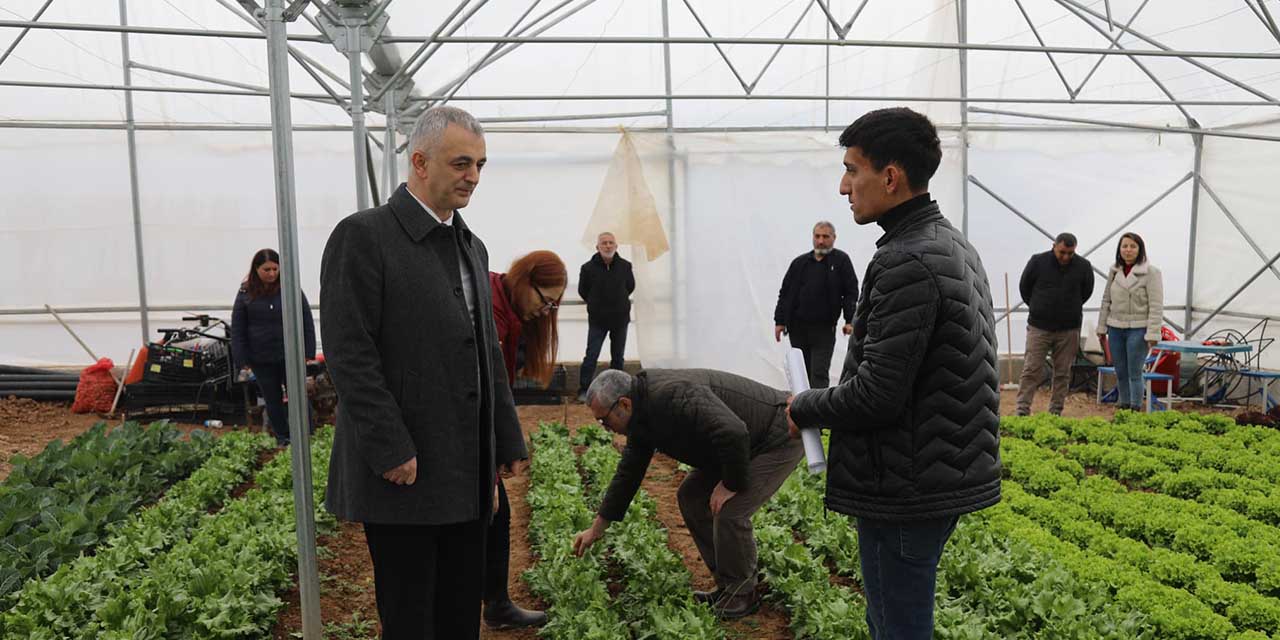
column 609, row 412
column 547, row 305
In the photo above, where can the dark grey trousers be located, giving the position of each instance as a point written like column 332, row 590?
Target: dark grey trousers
column 727, row 542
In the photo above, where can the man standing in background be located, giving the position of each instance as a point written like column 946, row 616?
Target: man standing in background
column 819, row 285
column 605, row 283
column 1055, row 285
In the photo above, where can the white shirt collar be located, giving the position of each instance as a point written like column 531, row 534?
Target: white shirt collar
column 424, row 206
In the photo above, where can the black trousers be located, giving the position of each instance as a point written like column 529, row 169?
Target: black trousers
column 271, row 377
column 498, row 551
column 428, row 579
column 596, row 333
column 817, row 342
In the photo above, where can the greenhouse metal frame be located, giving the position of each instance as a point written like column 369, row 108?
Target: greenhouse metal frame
column 359, row 28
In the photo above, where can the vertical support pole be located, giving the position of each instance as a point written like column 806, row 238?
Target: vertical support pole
column 291, row 303
column 356, row 105
column 677, row 253
column 391, row 178
column 1198, row 138
column 131, row 134
column 962, row 25
column 826, row 104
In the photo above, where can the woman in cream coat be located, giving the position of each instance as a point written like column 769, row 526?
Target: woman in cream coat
column 1132, row 310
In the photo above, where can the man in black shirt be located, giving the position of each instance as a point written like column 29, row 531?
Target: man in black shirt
column 819, row 285
column 605, row 283
column 1055, row 285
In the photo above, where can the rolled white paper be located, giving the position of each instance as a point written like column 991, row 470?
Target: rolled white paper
column 798, row 378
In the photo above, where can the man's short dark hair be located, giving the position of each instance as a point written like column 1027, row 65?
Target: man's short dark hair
column 897, row 136
column 1067, row 240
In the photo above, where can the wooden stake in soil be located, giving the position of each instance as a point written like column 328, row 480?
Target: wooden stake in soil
column 120, row 383
column 1008, row 323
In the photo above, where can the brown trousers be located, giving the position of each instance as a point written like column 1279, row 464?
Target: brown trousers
column 727, row 542
column 1063, row 345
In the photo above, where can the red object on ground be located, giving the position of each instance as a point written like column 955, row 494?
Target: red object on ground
column 139, row 367
column 97, row 389
column 1168, row 362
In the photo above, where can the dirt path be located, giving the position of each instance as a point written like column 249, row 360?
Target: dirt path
column 346, row 572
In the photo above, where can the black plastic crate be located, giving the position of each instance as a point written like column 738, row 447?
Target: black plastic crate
column 168, row 363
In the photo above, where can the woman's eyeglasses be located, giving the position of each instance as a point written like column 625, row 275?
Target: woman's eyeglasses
column 547, row 305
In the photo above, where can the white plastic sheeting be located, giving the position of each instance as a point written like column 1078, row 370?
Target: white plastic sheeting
column 744, row 202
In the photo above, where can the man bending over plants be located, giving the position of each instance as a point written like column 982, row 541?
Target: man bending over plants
column 732, row 431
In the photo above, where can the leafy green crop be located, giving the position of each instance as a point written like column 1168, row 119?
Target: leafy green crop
column 1215, row 554
column 575, row 587
column 220, row 581
column 798, row 579
column 657, row 601
column 1173, row 613
column 1019, row 592
column 63, row 501
column 64, row 603
column 1179, row 460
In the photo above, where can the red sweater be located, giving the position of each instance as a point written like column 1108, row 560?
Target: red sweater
column 508, row 322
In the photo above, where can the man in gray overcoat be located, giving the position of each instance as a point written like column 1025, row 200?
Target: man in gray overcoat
column 425, row 415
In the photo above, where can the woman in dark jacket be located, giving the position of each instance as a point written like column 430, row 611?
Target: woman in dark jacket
column 526, row 302
column 257, row 336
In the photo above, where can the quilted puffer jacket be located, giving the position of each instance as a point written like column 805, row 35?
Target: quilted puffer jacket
column 710, row 420
column 915, row 420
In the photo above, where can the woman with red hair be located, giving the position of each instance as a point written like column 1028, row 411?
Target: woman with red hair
column 526, row 303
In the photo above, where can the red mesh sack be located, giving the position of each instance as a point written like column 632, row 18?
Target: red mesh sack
column 97, row 389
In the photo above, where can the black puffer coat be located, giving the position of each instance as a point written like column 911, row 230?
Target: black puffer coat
column 915, row 420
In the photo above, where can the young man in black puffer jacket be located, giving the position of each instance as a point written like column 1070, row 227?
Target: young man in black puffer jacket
column 915, row 420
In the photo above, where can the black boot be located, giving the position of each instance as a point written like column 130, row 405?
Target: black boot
column 504, row 614
column 739, row 606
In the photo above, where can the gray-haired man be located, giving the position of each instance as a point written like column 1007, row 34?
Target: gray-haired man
column 818, row 287
column 732, row 431
column 414, row 355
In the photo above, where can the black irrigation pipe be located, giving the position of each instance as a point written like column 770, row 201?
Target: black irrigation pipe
column 38, row 394
column 58, row 386
column 29, row 371
column 26, row 377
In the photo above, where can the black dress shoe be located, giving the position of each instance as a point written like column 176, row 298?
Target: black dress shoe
column 506, row 615
column 739, row 606
column 707, row 597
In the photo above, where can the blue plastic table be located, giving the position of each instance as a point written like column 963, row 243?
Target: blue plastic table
column 1188, row 346
column 1220, row 352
